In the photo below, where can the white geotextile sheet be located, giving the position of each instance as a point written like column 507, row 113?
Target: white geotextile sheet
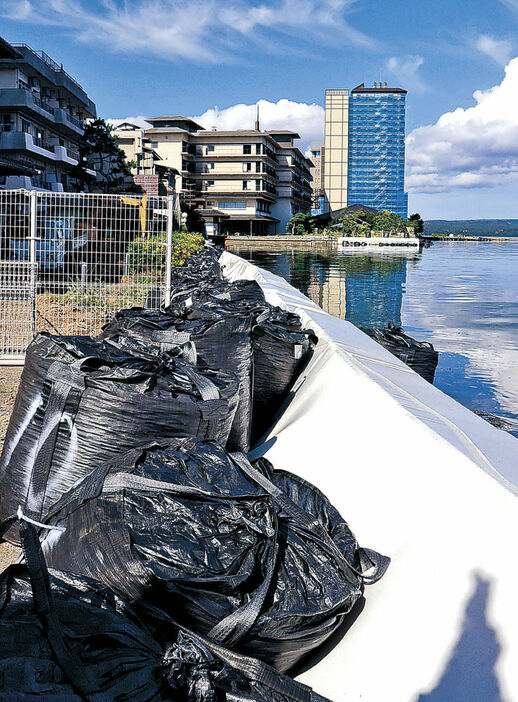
column 424, row 481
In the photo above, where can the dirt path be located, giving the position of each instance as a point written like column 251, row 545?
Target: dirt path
column 9, row 380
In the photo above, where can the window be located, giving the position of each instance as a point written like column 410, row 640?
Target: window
column 26, row 126
column 210, row 203
column 257, row 166
column 247, row 167
column 247, row 148
column 210, row 184
column 232, row 204
column 258, row 149
column 210, row 166
column 154, row 144
column 210, row 147
column 246, row 184
column 258, row 185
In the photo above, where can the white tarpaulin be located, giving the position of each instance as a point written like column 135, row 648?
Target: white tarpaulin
column 423, row 480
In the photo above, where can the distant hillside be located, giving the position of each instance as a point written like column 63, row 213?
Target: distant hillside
column 472, row 227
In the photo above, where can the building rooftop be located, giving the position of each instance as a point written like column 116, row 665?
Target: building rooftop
column 176, row 118
column 381, row 89
column 8, row 51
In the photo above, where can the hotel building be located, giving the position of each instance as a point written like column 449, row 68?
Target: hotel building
column 252, row 181
column 365, row 148
column 42, row 114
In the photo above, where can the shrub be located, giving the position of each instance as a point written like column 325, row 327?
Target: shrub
column 148, row 252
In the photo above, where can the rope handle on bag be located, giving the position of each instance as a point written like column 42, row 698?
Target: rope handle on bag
column 78, row 677
column 368, row 559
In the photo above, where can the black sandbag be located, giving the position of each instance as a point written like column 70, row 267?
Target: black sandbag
column 281, row 349
column 66, row 638
column 256, row 559
column 240, row 290
column 419, row 355
column 83, row 400
column 220, row 333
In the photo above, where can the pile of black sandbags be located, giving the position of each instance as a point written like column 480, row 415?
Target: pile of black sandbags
column 66, row 637
column 419, row 355
column 218, row 543
column 183, row 572
column 82, row 400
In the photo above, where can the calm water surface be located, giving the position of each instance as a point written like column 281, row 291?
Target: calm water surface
column 460, row 296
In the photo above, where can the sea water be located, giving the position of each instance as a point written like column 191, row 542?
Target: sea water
column 460, row 296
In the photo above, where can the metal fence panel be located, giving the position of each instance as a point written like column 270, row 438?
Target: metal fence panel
column 91, row 255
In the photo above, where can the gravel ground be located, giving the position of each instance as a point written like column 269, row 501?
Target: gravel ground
column 9, row 380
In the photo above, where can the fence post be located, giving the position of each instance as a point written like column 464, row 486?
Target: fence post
column 169, row 249
column 33, row 212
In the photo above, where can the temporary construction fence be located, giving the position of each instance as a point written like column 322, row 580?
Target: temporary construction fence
column 69, row 261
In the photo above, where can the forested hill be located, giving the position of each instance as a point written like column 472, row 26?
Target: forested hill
column 472, row 227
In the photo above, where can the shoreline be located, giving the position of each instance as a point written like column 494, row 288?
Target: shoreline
column 328, row 240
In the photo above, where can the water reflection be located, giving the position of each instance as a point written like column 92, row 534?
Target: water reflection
column 462, row 297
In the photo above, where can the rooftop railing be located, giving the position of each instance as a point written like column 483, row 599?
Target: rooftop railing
column 50, row 62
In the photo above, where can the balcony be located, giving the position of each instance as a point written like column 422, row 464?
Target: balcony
column 20, row 141
column 22, row 98
column 74, row 124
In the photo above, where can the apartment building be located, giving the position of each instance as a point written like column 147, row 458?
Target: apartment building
column 42, row 114
column 252, row 181
column 317, row 151
column 365, row 148
column 149, row 171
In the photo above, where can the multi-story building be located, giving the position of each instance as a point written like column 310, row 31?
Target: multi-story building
column 377, row 148
column 365, row 148
column 256, row 180
column 42, row 114
column 337, row 147
column 149, row 171
column 317, row 151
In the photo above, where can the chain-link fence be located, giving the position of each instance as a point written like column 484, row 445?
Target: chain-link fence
column 69, row 261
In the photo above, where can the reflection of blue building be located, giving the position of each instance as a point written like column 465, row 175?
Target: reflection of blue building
column 374, row 290
column 376, row 170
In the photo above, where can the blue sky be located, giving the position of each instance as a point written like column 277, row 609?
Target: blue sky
column 150, row 57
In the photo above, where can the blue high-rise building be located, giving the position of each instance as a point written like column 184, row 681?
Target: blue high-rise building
column 376, row 153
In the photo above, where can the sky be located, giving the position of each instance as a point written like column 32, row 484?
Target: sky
column 214, row 60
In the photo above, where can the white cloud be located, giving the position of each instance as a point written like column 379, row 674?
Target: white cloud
column 140, row 121
column 500, row 50
column 197, row 30
column 405, row 69
column 307, row 120
column 470, row 147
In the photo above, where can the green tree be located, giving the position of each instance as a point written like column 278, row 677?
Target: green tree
column 98, row 151
column 301, row 223
column 416, row 221
column 390, row 223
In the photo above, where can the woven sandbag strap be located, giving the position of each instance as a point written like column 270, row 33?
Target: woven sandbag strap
column 71, row 666
column 207, row 389
column 169, row 338
column 63, row 378
column 262, row 673
column 379, row 564
column 233, row 627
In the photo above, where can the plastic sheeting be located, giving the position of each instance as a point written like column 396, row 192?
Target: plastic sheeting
column 257, row 559
column 428, row 482
column 83, row 400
